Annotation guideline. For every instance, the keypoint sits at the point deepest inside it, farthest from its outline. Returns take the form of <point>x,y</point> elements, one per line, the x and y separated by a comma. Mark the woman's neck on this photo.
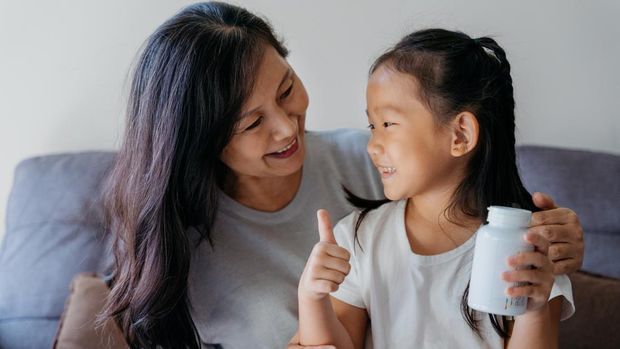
<point>432,229</point>
<point>264,194</point>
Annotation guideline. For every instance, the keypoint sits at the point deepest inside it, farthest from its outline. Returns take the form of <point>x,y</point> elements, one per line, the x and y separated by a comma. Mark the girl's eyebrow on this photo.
<point>287,75</point>
<point>387,108</point>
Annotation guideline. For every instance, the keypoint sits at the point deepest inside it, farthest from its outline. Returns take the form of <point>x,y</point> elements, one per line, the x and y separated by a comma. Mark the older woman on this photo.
<point>215,187</point>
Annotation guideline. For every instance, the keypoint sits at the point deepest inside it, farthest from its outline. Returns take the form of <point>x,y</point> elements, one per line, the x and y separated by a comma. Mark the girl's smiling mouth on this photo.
<point>386,171</point>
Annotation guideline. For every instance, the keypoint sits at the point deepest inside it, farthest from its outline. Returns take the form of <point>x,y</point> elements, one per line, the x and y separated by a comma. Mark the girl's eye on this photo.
<point>371,126</point>
<point>388,124</point>
<point>287,92</point>
<point>254,124</point>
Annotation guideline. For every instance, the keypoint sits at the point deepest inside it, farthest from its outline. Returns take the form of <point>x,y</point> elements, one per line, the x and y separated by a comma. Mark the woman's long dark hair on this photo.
<point>457,73</point>
<point>189,84</point>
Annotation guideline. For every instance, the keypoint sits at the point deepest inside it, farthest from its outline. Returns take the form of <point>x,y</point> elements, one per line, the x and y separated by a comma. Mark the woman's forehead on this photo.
<point>273,72</point>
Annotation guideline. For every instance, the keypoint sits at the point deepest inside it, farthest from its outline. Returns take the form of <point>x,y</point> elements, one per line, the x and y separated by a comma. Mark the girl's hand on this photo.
<point>562,228</point>
<point>327,265</point>
<point>534,270</point>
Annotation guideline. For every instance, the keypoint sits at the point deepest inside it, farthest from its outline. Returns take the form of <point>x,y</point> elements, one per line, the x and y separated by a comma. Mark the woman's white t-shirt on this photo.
<point>414,300</point>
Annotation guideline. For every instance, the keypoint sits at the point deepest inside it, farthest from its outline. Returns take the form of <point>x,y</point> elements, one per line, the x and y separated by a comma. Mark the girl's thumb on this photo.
<point>326,232</point>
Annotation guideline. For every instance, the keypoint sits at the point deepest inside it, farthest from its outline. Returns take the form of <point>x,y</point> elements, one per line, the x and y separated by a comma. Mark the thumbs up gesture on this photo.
<point>327,265</point>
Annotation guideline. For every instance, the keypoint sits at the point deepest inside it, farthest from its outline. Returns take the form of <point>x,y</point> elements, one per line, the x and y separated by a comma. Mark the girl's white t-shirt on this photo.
<point>414,300</point>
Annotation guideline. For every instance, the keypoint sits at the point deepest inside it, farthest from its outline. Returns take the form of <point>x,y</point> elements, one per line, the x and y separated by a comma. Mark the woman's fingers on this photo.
<point>554,216</point>
<point>543,201</point>
<point>561,251</point>
<point>566,266</point>
<point>555,232</point>
<point>566,245</point>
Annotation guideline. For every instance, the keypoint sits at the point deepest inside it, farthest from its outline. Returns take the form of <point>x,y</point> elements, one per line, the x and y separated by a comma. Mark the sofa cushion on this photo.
<point>595,322</point>
<point>54,231</point>
<point>586,182</point>
<point>78,327</point>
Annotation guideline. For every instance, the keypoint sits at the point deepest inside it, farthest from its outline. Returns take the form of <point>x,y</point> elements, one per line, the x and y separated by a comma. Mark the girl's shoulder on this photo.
<point>362,229</point>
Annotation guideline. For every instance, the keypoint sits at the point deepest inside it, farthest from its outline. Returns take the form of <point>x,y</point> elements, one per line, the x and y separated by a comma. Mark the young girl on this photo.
<point>441,114</point>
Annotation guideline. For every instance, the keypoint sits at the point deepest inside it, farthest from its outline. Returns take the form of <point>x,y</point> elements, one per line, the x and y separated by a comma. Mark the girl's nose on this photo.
<point>374,147</point>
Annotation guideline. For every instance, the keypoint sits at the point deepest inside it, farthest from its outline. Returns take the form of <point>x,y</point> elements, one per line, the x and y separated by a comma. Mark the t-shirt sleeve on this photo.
<point>350,290</point>
<point>562,287</point>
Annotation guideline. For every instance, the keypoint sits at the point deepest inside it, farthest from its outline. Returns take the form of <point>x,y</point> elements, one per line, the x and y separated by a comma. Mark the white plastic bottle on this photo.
<point>495,242</point>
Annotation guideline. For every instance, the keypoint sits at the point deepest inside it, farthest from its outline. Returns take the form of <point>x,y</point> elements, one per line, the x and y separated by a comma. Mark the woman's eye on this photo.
<point>371,126</point>
<point>388,124</point>
<point>254,124</point>
<point>287,92</point>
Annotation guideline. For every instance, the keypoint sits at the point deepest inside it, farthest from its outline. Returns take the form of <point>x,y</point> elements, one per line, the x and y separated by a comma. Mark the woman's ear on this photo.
<point>465,132</point>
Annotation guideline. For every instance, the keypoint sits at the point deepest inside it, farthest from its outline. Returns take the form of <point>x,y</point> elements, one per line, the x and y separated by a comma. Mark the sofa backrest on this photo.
<point>54,227</point>
<point>587,182</point>
<point>54,231</point>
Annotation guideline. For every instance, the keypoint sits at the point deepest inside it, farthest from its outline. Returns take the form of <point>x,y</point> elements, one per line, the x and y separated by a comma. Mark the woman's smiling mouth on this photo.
<point>287,151</point>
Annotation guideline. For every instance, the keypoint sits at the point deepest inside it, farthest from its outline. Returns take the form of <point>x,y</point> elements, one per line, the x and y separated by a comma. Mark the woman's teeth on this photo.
<point>287,147</point>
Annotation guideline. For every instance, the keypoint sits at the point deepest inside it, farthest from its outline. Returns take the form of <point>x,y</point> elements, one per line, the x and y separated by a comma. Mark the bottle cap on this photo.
<point>509,216</point>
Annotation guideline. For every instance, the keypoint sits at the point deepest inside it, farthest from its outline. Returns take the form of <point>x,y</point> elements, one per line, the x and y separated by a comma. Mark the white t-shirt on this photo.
<point>413,299</point>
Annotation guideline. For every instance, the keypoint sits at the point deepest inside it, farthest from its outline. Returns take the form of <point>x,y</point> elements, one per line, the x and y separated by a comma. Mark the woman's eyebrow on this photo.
<point>287,75</point>
<point>248,113</point>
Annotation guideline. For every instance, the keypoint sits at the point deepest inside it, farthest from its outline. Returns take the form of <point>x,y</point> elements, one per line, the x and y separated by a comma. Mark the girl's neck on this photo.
<point>264,194</point>
<point>431,229</point>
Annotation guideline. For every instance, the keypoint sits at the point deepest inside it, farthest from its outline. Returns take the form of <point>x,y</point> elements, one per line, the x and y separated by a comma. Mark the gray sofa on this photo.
<point>54,230</point>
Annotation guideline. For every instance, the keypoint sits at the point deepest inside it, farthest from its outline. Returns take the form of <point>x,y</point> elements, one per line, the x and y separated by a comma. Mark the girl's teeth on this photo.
<point>388,169</point>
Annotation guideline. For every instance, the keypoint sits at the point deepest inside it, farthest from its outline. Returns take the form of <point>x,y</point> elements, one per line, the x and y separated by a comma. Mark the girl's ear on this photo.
<point>465,131</point>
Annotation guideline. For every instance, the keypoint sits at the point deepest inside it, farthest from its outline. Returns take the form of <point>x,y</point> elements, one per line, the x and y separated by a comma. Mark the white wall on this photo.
<point>63,65</point>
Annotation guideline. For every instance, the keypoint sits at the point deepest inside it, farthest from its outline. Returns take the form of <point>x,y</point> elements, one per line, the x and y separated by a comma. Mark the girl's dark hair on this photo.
<point>456,73</point>
<point>189,84</point>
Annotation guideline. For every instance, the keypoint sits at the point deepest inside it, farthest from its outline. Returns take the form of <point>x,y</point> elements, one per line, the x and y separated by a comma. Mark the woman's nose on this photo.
<point>284,125</point>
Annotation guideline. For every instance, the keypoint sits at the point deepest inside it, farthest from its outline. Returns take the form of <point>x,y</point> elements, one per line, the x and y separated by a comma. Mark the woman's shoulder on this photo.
<point>343,154</point>
<point>340,141</point>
